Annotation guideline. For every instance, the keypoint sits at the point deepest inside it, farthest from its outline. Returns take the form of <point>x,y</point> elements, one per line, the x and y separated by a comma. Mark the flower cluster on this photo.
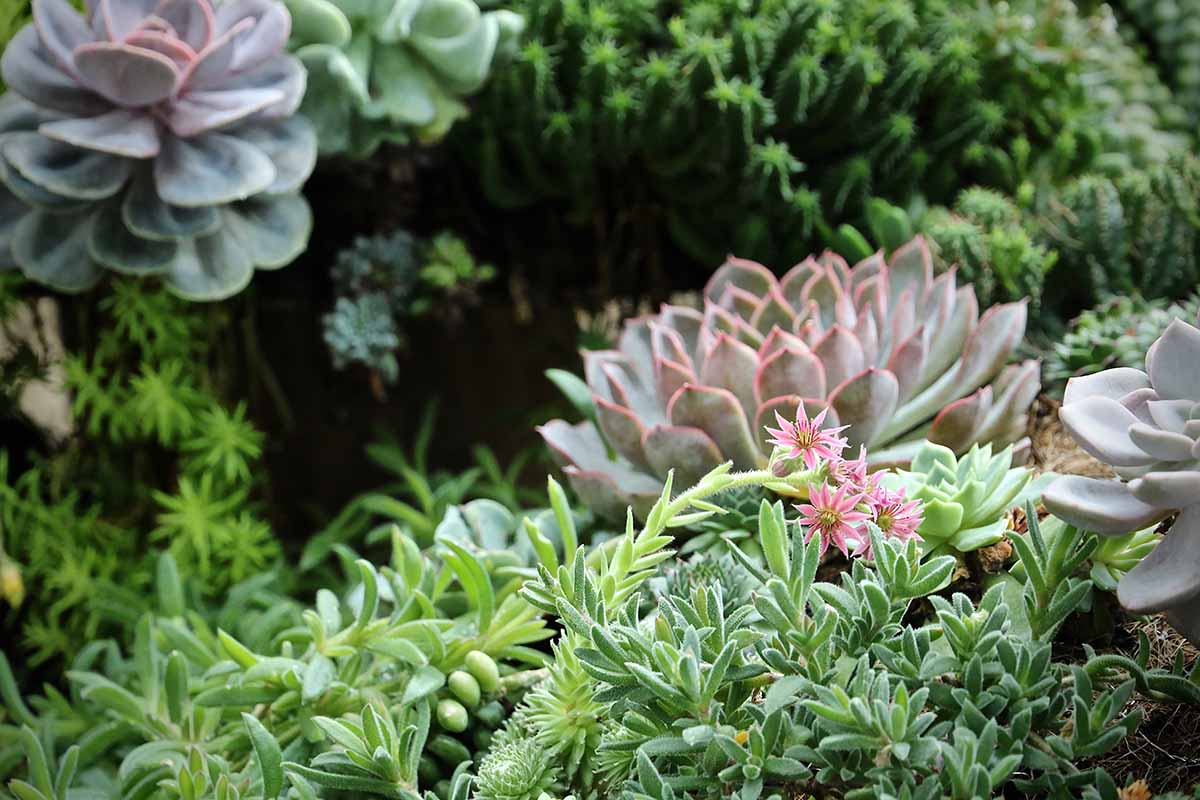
<point>848,497</point>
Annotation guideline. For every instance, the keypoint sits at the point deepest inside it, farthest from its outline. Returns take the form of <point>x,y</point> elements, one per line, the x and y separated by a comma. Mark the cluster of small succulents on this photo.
<point>267,693</point>
<point>380,281</point>
<point>394,71</point>
<point>1146,425</point>
<point>153,139</point>
<point>896,353</point>
<point>1116,333</point>
<point>820,686</point>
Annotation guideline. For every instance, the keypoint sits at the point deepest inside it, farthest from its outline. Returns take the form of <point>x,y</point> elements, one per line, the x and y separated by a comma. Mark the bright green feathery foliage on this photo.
<point>159,463</point>
<point>760,128</point>
<point>394,71</point>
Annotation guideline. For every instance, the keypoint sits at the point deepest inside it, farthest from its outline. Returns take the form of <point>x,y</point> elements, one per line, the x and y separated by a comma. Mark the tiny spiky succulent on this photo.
<point>1146,425</point>
<point>153,138</point>
<point>966,499</point>
<point>564,716</point>
<point>390,71</point>
<point>897,354</point>
<point>705,569</point>
<point>515,770</point>
<point>984,236</point>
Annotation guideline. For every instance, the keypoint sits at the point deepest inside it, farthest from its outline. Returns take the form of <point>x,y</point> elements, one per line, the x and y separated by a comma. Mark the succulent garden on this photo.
<point>599,399</point>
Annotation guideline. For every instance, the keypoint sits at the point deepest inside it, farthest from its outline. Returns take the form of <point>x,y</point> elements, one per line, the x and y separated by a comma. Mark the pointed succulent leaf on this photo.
<point>865,402</point>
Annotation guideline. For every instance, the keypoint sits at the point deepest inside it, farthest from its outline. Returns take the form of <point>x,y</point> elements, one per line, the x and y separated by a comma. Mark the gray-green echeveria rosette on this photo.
<point>153,137</point>
<point>899,354</point>
<point>390,70</point>
<point>1146,425</point>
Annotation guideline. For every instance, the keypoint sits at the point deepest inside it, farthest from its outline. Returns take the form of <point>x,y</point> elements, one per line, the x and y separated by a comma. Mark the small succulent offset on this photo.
<point>394,70</point>
<point>153,138</point>
<point>897,354</point>
<point>966,499</point>
<point>1146,425</point>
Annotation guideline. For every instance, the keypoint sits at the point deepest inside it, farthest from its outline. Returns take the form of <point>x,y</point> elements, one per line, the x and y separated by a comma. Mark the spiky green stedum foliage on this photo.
<point>986,236</point>
<point>383,281</point>
<point>1134,233</point>
<point>159,463</point>
<point>563,716</point>
<point>834,688</point>
<point>1116,333</point>
<point>379,690</point>
<point>759,128</point>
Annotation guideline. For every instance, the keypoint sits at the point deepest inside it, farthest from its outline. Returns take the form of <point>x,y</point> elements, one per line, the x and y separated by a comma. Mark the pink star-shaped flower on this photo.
<point>805,439</point>
<point>896,517</point>
<point>834,514</point>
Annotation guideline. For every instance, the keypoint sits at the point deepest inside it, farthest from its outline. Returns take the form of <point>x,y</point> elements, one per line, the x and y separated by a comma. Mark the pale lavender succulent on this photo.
<point>898,354</point>
<point>153,137</point>
<point>1146,425</point>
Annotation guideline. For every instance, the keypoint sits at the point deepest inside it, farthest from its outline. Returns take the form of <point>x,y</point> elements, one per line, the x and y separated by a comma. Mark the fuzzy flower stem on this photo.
<point>797,481</point>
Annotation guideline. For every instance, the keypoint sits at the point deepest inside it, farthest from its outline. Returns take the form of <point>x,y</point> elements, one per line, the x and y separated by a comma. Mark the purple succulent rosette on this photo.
<point>153,137</point>
<point>1146,425</point>
<point>899,355</point>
